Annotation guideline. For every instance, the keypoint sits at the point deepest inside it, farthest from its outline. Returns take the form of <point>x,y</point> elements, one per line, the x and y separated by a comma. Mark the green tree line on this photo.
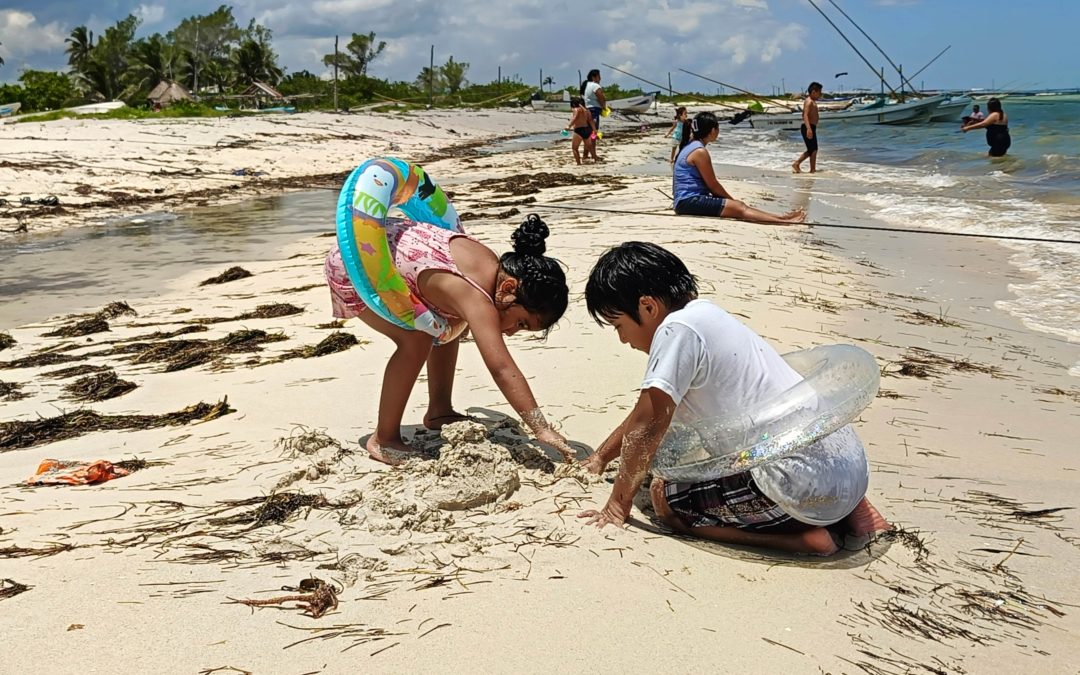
<point>212,56</point>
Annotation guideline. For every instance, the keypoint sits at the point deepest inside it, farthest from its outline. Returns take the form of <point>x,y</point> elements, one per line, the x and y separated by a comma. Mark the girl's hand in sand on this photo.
<point>612,514</point>
<point>595,464</point>
<point>553,438</point>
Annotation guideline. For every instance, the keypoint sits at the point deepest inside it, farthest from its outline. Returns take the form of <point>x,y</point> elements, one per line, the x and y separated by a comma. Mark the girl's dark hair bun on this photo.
<point>529,237</point>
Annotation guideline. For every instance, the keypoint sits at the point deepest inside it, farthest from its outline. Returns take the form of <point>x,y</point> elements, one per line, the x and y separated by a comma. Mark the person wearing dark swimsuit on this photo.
<point>997,128</point>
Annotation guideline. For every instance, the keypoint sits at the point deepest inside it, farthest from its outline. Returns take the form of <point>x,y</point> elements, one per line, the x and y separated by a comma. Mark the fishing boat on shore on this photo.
<point>96,108</point>
<point>633,105</point>
<point>917,111</point>
<point>951,109</point>
<point>9,109</point>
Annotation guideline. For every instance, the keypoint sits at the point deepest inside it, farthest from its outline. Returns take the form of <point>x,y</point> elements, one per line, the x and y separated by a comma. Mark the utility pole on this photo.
<point>335,72</point>
<point>431,76</point>
<point>783,87</point>
<point>670,95</point>
<point>541,80</point>
<point>196,64</point>
<point>500,75</point>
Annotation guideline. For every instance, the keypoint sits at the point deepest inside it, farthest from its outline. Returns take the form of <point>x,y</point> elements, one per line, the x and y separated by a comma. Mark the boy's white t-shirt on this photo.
<point>711,365</point>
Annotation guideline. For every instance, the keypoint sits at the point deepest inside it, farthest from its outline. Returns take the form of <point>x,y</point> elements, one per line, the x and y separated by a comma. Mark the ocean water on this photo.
<point>934,176</point>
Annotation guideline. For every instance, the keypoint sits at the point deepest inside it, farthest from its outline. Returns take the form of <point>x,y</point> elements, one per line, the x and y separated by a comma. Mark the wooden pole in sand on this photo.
<point>431,76</point>
<point>335,72</point>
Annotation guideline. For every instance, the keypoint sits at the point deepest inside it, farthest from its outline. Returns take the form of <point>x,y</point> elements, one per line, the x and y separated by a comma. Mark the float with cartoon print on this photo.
<point>370,191</point>
<point>839,381</point>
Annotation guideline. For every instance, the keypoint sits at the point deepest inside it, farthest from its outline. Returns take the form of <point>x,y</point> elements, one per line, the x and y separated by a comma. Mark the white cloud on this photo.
<point>622,49</point>
<point>150,14</point>
<point>21,35</point>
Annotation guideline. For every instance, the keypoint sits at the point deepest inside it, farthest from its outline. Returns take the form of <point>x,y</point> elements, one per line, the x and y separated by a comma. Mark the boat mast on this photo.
<point>696,98</point>
<point>897,68</point>
<point>868,64</point>
<point>743,91</point>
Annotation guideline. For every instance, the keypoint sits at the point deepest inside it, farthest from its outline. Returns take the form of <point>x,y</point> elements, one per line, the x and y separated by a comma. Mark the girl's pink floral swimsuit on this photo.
<point>415,247</point>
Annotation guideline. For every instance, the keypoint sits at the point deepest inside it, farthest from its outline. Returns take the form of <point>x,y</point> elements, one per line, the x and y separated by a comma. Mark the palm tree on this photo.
<point>256,61</point>
<point>151,62</point>
<point>453,73</point>
<point>79,46</point>
<point>548,81</point>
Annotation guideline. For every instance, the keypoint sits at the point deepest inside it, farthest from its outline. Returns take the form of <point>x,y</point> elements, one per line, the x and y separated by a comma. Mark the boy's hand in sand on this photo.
<point>612,514</point>
<point>555,439</point>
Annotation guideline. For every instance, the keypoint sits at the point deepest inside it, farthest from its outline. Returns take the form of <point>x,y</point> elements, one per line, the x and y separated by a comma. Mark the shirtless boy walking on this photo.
<point>809,128</point>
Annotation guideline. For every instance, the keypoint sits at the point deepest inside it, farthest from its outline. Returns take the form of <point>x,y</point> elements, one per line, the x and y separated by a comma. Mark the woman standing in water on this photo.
<point>997,128</point>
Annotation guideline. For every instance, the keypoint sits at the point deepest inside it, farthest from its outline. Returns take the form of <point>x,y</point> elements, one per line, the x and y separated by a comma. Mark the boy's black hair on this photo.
<point>632,270</point>
<point>577,102</point>
<point>541,280</point>
<point>814,86</point>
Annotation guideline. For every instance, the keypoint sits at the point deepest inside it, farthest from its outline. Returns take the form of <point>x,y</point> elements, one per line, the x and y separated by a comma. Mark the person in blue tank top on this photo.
<point>694,184</point>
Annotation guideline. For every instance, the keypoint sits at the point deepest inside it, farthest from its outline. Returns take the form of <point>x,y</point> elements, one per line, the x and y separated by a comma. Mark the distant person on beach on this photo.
<point>704,363</point>
<point>675,132</point>
<point>809,128</point>
<point>997,128</point>
<point>582,126</point>
<point>694,184</point>
<point>595,102</point>
<point>471,287</point>
<point>976,114</point>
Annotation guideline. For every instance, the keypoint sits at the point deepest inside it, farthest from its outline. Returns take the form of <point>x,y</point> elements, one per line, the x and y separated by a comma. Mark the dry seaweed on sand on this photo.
<point>38,360</point>
<point>9,588</point>
<point>304,441</point>
<point>98,387</point>
<point>331,344</point>
<point>74,371</point>
<point>332,325</point>
<point>12,391</point>
<point>298,289</point>
<point>115,309</point>
<point>920,317</point>
<point>43,552</point>
<point>28,433</point>
<point>272,311</point>
<point>531,183</point>
<point>275,509</point>
<point>80,328</point>
<point>137,464</point>
<point>1074,394</point>
<point>184,354</point>
<point>231,274</point>
<point>6,341</point>
<point>923,363</point>
<point>316,597</point>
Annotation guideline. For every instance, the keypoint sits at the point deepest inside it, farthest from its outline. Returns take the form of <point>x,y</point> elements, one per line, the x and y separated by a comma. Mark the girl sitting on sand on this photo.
<point>697,192</point>
<point>466,283</point>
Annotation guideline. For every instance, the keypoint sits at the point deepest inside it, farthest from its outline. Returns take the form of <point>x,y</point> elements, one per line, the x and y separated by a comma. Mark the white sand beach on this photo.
<point>970,438</point>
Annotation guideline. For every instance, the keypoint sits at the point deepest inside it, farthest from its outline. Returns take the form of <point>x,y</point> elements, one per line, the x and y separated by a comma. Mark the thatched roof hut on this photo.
<point>166,93</point>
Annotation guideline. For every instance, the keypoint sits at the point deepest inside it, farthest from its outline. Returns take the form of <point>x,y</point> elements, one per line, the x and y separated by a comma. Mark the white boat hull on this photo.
<point>96,108</point>
<point>951,110</point>
<point>912,112</point>
<point>9,109</point>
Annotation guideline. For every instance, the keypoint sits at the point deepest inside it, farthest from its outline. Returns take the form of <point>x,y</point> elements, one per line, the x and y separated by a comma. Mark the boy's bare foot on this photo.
<point>794,216</point>
<point>819,541</point>
<point>865,520</point>
<point>392,452</point>
<point>795,168</point>
<point>437,422</point>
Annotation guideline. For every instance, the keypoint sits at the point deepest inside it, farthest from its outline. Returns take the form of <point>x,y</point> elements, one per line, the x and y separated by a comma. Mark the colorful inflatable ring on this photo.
<point>839,381</point>
<point>369,193</point>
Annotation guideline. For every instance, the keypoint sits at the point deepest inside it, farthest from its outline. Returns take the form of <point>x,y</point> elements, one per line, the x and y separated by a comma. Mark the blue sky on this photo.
<point>756,44</point>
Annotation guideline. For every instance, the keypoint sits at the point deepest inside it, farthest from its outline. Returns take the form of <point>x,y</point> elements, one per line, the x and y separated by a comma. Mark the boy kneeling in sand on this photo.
<point>704,363</point>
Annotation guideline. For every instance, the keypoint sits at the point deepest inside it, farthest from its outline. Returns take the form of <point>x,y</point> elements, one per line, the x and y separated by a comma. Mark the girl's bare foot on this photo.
<point>391,452</point>
<point>865,520</point>
<point>436,422</point>
<point>794,216</point>
<point>796,168</point>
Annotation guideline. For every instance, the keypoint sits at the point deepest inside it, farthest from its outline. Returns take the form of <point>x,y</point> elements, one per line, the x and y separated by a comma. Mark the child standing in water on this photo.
<point>675,132</point>
<point>808,129</point>
<point>469,286</point>
<point>704,363</point>
<point>582,126</point>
